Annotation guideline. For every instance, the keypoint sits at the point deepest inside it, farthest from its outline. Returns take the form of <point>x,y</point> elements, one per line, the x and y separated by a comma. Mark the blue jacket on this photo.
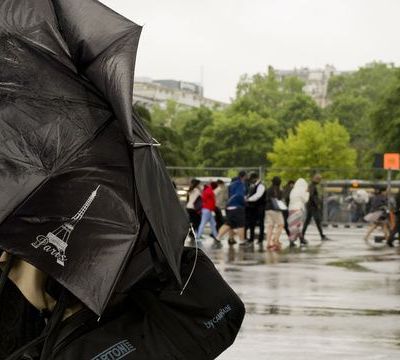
<point>237,192</point>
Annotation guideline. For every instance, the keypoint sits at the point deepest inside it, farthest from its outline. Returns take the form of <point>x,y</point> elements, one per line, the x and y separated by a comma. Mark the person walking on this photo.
<point>313,209</point>
<point>396,229</point>
<point>193,205</point>
<point>299,197</point>
<point>274,206</point>
<point>378,214</point>
<point>235,211</point>
<point>256,201</point>
<point>207,211</point>
<point>221,198</point>
<point>286,198</point>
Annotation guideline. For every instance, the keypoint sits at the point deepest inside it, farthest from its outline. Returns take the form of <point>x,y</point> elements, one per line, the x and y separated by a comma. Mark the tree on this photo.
<point>269,97</point>
<point>258,94</point>
<point>172,146</point>
<point>296,109</point>
<point>352,112</point>
<point>188,123</point>
<point>352,99</point>
<point>196,120</point>
<point>370,82</point>
<point>238,140</point>
<point>386,118</point>
<point>313,145</point>
<point>165,115</point>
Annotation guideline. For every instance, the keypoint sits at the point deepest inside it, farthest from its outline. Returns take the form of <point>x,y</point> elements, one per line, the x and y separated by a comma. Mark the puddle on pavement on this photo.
<point>349,265</point>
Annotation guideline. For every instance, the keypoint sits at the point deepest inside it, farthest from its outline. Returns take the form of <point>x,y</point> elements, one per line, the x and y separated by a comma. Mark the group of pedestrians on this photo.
<point>248,204</point>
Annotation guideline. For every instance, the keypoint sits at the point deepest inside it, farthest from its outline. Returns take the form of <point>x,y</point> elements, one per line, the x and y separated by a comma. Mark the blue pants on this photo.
<point>207,217</point>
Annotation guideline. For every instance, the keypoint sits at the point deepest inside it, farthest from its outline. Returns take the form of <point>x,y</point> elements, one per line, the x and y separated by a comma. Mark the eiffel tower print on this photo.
<point>56,242</point>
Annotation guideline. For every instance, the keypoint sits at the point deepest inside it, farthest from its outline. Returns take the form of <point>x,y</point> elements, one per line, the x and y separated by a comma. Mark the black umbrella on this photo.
<point>79,175</point>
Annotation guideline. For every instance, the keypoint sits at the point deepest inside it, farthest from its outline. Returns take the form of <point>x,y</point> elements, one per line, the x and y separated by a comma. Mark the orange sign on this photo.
<point>391,161</point>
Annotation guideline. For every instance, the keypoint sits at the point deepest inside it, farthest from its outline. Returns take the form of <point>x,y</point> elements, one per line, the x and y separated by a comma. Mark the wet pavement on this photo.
<point>335,300</point>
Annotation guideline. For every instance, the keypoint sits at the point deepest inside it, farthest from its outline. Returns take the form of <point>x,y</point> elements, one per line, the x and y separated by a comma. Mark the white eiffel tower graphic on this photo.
<point>60,236</point>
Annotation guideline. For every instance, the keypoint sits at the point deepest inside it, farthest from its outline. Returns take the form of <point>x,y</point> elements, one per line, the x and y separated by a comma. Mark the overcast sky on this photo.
<point>227,38</point>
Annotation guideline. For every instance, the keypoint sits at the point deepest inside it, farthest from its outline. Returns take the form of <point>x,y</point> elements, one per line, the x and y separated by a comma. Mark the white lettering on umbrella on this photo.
<point>55,243</point>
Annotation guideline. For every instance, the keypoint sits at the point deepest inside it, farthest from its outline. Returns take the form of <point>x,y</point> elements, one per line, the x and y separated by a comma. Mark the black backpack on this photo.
<point>149,324</point>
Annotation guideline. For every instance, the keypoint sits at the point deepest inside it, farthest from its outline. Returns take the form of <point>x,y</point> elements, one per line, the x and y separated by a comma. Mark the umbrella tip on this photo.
<point>95,192</point>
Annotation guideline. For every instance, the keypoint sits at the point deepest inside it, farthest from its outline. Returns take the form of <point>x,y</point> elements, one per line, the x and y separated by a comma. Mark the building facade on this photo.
<point>316,81</point>
<point>149,92</point>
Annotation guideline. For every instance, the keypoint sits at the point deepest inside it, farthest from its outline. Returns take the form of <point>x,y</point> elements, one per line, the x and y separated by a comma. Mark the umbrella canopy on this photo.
<point>77,168</point>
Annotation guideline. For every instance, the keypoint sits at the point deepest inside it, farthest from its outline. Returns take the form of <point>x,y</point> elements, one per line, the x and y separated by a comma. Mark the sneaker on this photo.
<point>325,238</point>
<point>303,242</point>
<point>217,245</point>
<point>245,243</point>
<point>232,241</point>
<point>292,244</point>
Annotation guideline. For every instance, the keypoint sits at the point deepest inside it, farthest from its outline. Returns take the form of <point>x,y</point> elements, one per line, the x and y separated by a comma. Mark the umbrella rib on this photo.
<point>142,144</point>
<point>191,230</point>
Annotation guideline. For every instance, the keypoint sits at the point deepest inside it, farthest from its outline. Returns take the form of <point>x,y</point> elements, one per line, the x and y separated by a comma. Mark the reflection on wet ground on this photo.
<point>335,300</point>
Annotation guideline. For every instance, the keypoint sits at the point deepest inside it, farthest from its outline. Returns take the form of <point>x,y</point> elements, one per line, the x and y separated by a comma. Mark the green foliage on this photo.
<point>188,123</point>
<point>239,140</point>
<point>352,112</point>
<point>370,82</point>
<point>165,116</point>
<point>313,145</point>
<point>296,109</point>
<point>386,118</point>
<point>268,97</point>
<point>143,113</point>
<point>172,147</point>
<point>352,100</point>
<point>196,121</point>
<point>268,110</point>
<point>257,94</point>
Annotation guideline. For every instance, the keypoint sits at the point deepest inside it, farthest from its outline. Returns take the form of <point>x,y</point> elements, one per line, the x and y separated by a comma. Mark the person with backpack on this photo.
<point>193,205</point>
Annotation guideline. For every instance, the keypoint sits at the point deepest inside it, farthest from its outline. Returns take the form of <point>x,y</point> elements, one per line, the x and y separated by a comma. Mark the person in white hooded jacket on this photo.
<point>299,197</point>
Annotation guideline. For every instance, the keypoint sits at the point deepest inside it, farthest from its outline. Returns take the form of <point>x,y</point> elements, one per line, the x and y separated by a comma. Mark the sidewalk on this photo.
<point>334,300</point>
